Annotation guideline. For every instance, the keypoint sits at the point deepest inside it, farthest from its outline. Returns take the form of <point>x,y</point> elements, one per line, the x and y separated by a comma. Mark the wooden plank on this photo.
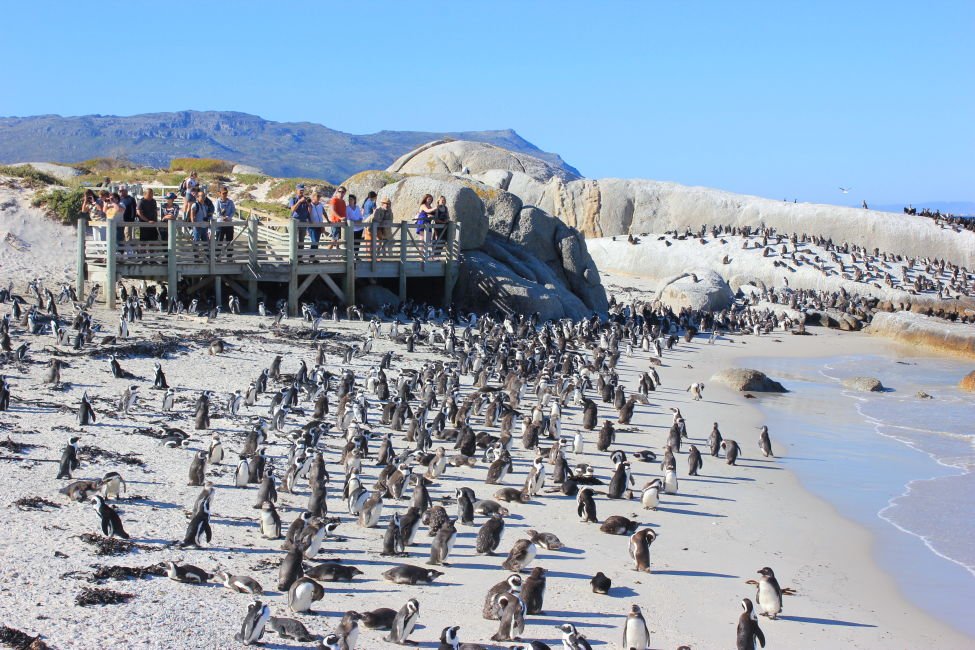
<point>349,264</point>
<point>403,234</point>
<point>172,272</point>
<point>204,281</point>
<point>80,267</point>
<point>334,287</point>
<point>236,286</point>
<point>218,289</point>
<point>110,263</point>
<point>293,268</point>
<point>305,284</point>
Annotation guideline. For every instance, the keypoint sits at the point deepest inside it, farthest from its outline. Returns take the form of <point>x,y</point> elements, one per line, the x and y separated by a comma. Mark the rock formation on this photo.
<point>742,379</point>
<point>863,384</point>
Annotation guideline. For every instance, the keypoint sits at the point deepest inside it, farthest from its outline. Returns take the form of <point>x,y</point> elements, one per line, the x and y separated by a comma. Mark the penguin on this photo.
<point>571,639</point>
<point>378,619</point>
<point>404,623</point>
<point>348,630</point>
<point>159,383</point>
<point>267,490</point>
<point>443,543</point>
<point>252,629</point>
<point>169,398</point>
<point>410,524</point>
<point>186,573</point>
<point>240,584</point>
<point>694,461</point>
<point>69,458</point>
<point>621,485</point>
<point>492,608</point>
<point>520,556</point>
<point>696,390</point>
<point>489,536</point>
<point>650,496</point>
<point>290,568</point>
<point>372,509</point>
<point>450,640</point>
<point>748,629</point>
<point>292,629</point>
<point>714,440</point>
<point>589,414</point>
<point>586,505</point>
<point>601,584</point>
<point>764,443</point>
<point>769,594</point>
<point>111,523</point>
<point>242,473</point>
<point>334,572</point>
<point>640,542</point>
<point>533,592</point>
<point>465,505</point>
<point>111,485</point>
<point>270,521</point>
<point>198,468</point>
<point>303,592</point>
<point>199,527</point>
<point>215,455</point>
<point>499,469</point>
<point>731,450</point>
<point>548,541</point>
<point>636,634</point>
<point>618,525</point>
<point>670,481</point>
<point>606,437</point>
<point>512,622</point>
<point>86,413</point>
<point>393,543</point>
<point>407,574</point>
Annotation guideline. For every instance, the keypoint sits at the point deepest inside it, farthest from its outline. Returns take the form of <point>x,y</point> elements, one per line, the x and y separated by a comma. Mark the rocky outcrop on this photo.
<point>927,331</point>
<point>464,204</point>
<point>466,157</point>
<point>246,169</point>
<point>864,384</point>
<point>967,382</point>
<point>698,289</point>
<point>746,379</point>
<point>370,181</point>
<point>374,297</point>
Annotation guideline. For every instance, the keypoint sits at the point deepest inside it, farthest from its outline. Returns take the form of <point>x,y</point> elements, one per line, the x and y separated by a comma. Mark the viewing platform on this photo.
<point>242,253</point>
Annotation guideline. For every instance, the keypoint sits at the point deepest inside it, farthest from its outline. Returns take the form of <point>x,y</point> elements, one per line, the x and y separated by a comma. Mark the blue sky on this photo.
<point>780,99</point>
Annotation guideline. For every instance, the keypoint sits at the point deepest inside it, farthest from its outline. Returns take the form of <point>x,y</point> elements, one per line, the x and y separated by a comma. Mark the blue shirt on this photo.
<point>301,213</point>
<point>226,209</point>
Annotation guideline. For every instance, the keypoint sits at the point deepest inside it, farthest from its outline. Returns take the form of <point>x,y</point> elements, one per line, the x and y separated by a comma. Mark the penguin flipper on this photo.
<point>760,635</point>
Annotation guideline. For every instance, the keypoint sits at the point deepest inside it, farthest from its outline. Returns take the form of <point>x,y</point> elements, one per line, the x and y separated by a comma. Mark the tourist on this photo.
<point>128,212</point>
<point>369,205</point>
<point>300,210</point>
<point>113,214</point>
<point>147,211</point>
<point>94,208</point>
<point>440,219</point>
<point>336,215</point>
<point>196,212</point>
<point>353,216</point>
<point>317,210</point>
<point>189,185</point>
<point>423,220</point>
<point>225,212</point>
<point>381,228</point>
<point>168,212</point>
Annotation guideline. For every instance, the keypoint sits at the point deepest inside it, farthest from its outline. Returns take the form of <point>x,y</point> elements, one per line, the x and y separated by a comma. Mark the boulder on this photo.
<point>60,172</point>
<point>746,379</point>
<point>466,157</point>
<point>370,181</point>
<point>968,382</point>
<point>374,296</point>
<point>699,289</point>
<point>246,169</point>
<point>864,384</point>
<point>464,204</point>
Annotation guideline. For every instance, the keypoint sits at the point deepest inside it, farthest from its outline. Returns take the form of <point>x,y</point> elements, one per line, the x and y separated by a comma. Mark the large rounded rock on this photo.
<point>464,204</point>
<point>746,379</point>
<point>60,172</point>
<point>370,181</point>
<point>968,382</point>
<point>864,384</point>
<point>700,289</point>
<point>374,296</point>
<point>466,157</point>
<point>246,169</point>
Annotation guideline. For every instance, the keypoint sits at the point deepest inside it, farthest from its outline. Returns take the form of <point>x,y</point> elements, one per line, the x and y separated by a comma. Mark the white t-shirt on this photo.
<point>353,213</point>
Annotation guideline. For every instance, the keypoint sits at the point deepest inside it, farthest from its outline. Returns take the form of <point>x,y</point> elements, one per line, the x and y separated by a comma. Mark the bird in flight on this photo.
<point>845,190</point>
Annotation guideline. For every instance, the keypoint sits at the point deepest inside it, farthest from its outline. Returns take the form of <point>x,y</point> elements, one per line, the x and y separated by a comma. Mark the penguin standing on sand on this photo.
<point>621,485</point>
<point>694,461</point>
<point>169,399</point>
<point>748,630</point>
<point>769,593</point>
<point>696,390</point>
<point>215,455</point>
<point>252,628</point>
<point>764,443</point>
<point>198,468</point>
<point>586,505</point>
<point>650,496</point>
<point>533,592</point>
<point>489,536</point>
<point>111,523</point>
<point>404,623</point>
<point>242,473</point>
<point>636,635</point>
<point>199,527</point>
<point>714,440</point>
<point>572,639</point>
<point>86,414</point>
<point>69,459</point>
<point>589,414</point>
<point>512,622</point>
<point>159,383</point>
<point>731,450</point>
<point>601,584</point>
<point>270,521</point>
<point>640,542</point>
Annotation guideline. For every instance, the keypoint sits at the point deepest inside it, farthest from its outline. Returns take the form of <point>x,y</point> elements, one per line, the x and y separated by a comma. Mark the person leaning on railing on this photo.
<point>381,228</point>
<point>226,211</point>
<point>317,218</point>
<point>424,218</point>
<point>93,207</point>
<point>147,211</point>
<point>300,210</point>
<point>440,219</point>
<point>168,212</point>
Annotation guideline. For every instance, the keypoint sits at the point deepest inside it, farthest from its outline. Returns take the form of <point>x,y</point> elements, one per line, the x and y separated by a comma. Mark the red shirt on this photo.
<point>336,207</point>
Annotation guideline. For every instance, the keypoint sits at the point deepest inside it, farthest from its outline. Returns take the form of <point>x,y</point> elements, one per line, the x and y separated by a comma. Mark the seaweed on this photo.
<point>116,572</point>
<point>101,596</point>
<point>34,503</point>
<point>21,640</point>
<point>15,447</point>
<point>111,545</point>
<point>91,453</point>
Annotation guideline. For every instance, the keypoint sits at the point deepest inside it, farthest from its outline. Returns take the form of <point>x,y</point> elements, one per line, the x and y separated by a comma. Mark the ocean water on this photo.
<point>902,466</point>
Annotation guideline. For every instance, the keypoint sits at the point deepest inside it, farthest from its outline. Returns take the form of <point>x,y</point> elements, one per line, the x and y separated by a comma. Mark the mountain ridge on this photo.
<point>277,148</point>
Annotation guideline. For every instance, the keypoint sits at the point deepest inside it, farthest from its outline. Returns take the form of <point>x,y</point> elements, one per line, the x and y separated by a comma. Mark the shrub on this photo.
<point>101,165</point>
<point>286,187</point>
<point>273,209</point>
<point>62,205</point>
<point>201,165</point>
<point>31,176</point>
<point>251,179</point>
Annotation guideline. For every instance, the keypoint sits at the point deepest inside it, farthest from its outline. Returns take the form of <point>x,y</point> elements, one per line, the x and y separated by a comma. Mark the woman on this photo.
<point>169,212</point>
<point>382,226</point>
<point>353,214</point>
<point>369,205</point>
<point>317,217</point>
<point>440,219</point>
<point>423,220</point>
<point>92,206</point>
<point>147,211</point>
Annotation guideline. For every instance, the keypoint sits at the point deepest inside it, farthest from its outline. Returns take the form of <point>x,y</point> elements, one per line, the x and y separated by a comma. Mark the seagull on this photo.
<point>845,190</point>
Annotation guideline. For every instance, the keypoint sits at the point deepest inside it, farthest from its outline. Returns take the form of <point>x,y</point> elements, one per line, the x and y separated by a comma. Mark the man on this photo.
<point>300,210</point>
<point>336,215</point>
<point>148,212</point>
<point>128,214</point>
<point>226,210</point>
<point>197,213</point>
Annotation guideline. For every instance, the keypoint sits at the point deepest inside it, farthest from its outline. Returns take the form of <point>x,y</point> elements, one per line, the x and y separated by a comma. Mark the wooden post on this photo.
<point>293,267</point>
<point>80,280</point>
<point>449,262</point>
<point>218,289</point>
<point>172,271</point>
<point>211,248</point>
<point>403,235</point>
<point>349,264</point>
<point>111,250</point>
<point>252,250</point>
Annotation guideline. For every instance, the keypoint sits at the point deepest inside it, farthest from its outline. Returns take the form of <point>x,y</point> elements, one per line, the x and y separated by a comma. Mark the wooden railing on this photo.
<point>261,248</point>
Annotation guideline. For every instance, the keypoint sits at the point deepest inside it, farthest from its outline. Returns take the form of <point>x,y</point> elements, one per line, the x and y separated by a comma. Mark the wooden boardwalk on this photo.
<point>262,250</point>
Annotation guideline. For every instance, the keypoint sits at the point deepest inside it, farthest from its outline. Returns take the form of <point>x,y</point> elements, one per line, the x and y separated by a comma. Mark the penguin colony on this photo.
<point>443,443</point>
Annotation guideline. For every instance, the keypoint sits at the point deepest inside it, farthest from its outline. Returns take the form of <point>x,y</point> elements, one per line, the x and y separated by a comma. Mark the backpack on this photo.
<point>182,188</point>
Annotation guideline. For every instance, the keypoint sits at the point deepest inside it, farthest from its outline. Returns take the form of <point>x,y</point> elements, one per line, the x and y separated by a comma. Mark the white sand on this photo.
<point>715,534</point>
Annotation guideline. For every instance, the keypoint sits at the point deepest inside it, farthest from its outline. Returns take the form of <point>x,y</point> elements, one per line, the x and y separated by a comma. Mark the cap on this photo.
<point>171,195</point>
<point>300,186</point>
